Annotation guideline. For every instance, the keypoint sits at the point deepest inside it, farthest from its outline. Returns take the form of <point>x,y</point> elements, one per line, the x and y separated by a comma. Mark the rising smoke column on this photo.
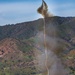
<point>44,11</point>
<point>49,63</point>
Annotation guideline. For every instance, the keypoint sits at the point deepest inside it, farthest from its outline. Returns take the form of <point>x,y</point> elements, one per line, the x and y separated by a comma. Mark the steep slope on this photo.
<point>18,42</point>
<point>29,29</point>
<point>16,57</point>
<point>21,30</point>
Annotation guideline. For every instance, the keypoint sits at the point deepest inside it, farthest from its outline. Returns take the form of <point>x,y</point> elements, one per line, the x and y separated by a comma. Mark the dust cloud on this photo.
<point>47,47</point>
<point>53,62</point>
<point>43,9</point>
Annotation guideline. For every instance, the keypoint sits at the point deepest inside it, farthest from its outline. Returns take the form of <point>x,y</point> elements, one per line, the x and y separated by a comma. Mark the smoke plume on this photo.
<point>43,9</point>
<point>48,47</point>
<point>54,63</point>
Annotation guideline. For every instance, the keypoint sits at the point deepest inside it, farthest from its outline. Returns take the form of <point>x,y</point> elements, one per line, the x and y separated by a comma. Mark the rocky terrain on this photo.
<point>17,45</point>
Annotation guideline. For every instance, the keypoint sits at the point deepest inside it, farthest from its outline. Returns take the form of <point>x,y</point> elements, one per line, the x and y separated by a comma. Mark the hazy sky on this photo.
<point>16,11</point>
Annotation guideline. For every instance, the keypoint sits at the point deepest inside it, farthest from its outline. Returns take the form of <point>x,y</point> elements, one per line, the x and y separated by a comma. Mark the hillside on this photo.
<point>19,42</point>
<point>21,30</point>
<point>16,57</point>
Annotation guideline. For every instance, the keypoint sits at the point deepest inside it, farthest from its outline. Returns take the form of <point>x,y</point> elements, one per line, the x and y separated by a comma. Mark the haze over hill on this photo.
<point>19,42</point>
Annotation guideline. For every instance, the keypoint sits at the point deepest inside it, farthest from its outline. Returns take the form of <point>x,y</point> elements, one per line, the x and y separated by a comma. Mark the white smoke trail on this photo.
<point>48,62</point>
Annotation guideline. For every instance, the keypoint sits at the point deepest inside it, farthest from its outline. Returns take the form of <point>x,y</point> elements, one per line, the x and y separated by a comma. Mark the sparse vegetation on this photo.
<point>17,43</point>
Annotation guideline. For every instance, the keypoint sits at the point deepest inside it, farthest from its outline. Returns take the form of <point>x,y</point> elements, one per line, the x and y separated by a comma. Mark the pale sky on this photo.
<point>17,11</point>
